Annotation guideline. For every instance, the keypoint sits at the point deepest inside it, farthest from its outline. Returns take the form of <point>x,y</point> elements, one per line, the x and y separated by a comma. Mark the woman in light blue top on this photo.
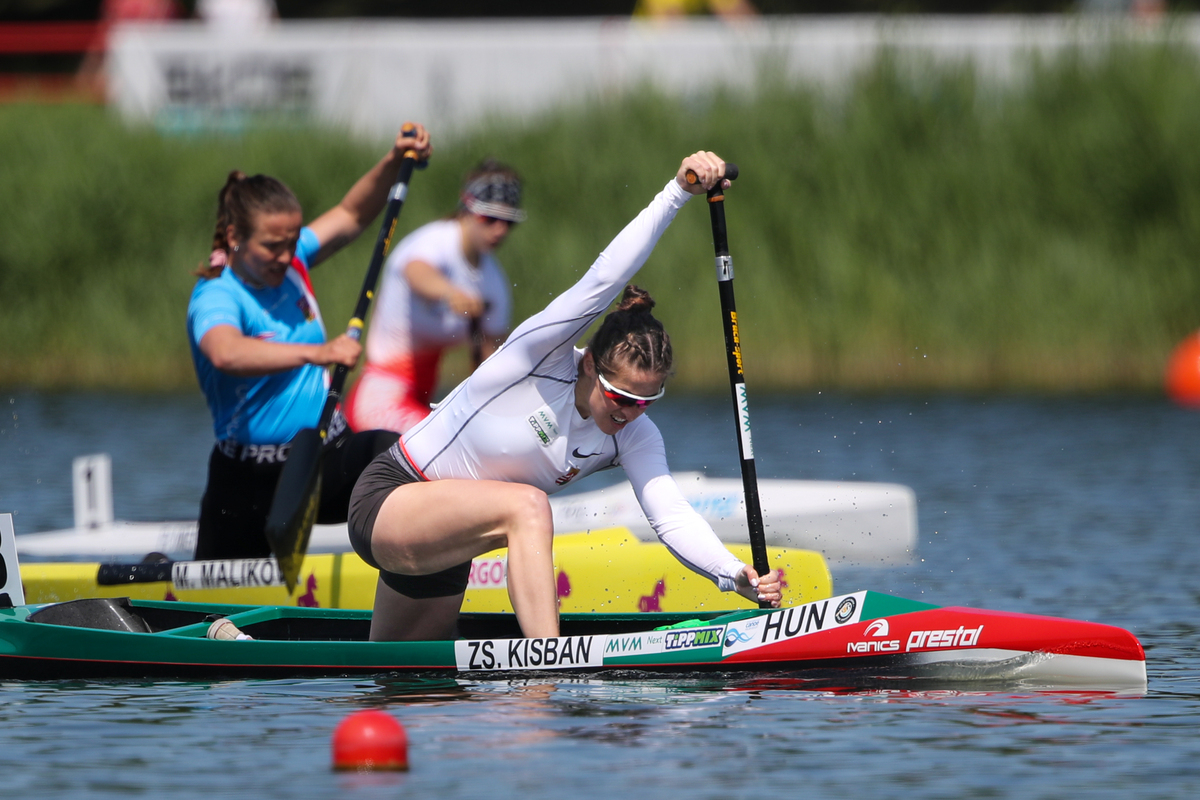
<point>259,348</point>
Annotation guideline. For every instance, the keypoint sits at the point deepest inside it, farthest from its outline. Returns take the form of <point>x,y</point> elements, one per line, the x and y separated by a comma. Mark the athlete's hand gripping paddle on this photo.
<point>298,493</point>
<point>477,336</point>
<point>733,348</point>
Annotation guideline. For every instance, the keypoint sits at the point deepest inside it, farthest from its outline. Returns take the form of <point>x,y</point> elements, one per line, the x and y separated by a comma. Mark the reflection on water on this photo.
<point>604,738</point>
<point>408,690</point>
<point>1083,509</point>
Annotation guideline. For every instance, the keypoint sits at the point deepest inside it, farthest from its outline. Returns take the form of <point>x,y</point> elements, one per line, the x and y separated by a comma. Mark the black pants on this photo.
<point>383,475</point>
<point>241,485</point>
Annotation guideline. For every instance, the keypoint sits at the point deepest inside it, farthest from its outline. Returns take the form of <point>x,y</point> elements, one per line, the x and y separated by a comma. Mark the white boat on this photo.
<point>849,522</point>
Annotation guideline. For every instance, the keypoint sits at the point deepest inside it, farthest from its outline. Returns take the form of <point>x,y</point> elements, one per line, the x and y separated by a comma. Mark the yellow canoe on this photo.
<point>607,570</point>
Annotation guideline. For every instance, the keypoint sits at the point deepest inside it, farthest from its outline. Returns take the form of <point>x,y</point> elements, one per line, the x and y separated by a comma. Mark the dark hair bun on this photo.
<point>235,176</point>
<point>631,336</point>
<point>636,300</point>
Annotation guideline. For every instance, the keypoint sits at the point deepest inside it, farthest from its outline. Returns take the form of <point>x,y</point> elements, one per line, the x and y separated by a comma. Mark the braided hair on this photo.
<point>631,336</point>
<point>239,202</point>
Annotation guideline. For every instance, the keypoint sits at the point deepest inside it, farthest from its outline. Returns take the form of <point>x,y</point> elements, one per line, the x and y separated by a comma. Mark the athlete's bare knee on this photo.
<point>530,510</point>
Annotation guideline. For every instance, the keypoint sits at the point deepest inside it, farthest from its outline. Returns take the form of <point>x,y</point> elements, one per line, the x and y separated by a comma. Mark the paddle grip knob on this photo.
<point>731,173</point>
<point>408,129</point>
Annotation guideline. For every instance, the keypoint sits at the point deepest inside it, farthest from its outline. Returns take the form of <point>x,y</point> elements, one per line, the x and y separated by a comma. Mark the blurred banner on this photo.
<point>369,76</point>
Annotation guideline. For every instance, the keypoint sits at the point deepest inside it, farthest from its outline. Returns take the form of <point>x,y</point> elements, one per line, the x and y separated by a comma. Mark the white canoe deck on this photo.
<point>849,522</point>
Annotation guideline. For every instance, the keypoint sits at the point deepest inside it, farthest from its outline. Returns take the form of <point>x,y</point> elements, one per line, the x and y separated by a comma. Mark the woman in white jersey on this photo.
<point>442,287</point>
<point>538,415</point>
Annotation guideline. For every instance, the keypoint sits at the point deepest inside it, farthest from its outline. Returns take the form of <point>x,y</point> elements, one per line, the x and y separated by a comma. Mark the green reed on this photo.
<point>920,227</point>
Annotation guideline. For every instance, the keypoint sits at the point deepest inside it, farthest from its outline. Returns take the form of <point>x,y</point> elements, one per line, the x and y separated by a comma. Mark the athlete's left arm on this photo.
<point>342,224</point>
<point>685,533</point>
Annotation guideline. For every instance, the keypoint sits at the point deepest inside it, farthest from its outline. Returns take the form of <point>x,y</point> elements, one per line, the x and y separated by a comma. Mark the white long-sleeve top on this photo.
<point>514,419</point>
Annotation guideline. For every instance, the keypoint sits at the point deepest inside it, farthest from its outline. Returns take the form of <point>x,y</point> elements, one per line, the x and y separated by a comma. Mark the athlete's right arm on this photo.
<point>568,316</point>
<point>342,224</point>
<point>234,353</point>
<point>428,283</point>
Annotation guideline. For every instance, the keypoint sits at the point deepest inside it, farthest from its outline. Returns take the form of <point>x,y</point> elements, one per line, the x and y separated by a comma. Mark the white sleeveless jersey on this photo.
<point>404,323</point>
<point>515,419</point>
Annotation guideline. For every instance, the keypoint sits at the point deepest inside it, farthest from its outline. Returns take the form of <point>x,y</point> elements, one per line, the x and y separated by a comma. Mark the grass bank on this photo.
<point>917,230</point>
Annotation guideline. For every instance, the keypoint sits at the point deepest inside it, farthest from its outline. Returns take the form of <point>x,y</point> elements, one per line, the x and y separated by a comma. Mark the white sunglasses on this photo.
<point>624,398</point>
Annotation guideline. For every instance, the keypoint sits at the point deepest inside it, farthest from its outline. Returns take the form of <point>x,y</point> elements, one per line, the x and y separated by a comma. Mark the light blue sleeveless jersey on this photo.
<point>269,409</point>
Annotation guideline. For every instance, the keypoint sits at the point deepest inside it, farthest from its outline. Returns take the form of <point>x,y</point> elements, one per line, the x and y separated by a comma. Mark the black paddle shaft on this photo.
<point>737,380</point>
<point>297,494</point>
<point>358,321</point>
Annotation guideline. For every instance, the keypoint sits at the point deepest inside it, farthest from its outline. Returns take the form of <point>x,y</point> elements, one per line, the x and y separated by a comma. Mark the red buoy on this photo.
<point>370,740</point>
<point>1183,372</point>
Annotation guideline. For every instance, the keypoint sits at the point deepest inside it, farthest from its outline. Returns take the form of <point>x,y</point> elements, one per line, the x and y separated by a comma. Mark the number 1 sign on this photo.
<point>11,591</point>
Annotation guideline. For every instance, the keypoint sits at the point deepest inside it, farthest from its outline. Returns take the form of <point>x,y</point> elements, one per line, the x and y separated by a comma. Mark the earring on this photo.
<point>235,247</point>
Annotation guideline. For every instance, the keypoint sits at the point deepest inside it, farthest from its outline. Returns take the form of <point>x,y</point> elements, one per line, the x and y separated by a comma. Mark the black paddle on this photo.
<point>733,348</point>
<point>476,343</point>
<point>477,336</point>
<point>220,573</point>
<point>298,493</point>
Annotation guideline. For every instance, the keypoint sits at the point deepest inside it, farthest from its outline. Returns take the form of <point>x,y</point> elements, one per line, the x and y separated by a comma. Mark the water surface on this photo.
<point>1080,508</point>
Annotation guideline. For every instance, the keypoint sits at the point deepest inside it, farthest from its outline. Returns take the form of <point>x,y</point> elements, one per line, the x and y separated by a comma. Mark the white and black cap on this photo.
<point>494,195</point>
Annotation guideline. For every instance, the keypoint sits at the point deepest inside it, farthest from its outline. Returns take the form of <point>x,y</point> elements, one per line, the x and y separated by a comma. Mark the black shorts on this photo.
<point>377,482</point>
<point>241,486</point>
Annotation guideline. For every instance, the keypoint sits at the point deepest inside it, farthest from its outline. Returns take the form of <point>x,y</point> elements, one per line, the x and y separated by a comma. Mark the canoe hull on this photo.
<point>859,638</point>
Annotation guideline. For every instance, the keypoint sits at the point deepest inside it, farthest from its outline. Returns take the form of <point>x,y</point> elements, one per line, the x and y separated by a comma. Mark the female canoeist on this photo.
<point>442,287</point>
<point>538,415</point>
<point>259,348</point>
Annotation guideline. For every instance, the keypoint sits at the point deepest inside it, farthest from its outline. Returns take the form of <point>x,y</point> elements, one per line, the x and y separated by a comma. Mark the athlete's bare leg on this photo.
<point>430,526</point>
<point>404,619</point>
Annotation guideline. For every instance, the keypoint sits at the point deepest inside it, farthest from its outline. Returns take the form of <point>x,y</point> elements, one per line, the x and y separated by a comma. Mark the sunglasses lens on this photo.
<point>626,402</point>
<point>622,399</point>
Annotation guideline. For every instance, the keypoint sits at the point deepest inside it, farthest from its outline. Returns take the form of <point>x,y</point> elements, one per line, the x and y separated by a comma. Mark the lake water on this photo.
<point>1087,509</point>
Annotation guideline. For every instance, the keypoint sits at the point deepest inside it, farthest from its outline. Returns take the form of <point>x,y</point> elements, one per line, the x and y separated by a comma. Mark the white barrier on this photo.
<point>12,593</point>
<point>369,76</point>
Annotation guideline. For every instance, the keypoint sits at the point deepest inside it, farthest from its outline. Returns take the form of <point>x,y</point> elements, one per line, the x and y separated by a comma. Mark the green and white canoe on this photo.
<point>862,636</point>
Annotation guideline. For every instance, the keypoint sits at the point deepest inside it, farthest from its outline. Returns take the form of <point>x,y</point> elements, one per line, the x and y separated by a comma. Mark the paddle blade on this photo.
<point>294,509</point>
